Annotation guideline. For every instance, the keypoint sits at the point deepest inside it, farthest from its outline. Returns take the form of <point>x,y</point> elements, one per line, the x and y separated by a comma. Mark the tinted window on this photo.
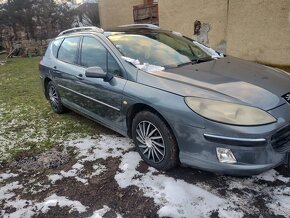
<point>158,48</point>
<point>55,45</point>
<point>95,54</point>
<point>68,50</point>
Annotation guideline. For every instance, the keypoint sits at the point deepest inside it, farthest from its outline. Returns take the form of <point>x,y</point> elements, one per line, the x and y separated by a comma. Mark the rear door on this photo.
<point>67,70</point>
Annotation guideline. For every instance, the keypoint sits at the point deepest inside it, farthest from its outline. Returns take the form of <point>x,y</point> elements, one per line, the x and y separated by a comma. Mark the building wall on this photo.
<point>257,30</point>
<point>181,15</point>
<point>116,12</point>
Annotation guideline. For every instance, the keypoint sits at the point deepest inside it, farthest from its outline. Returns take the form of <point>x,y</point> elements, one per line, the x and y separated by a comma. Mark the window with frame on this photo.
<point>94,54</point>
<point>68,50</point>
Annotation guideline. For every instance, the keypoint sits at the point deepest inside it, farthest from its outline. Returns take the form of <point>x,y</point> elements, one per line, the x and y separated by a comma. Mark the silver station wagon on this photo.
<point>180,101</point>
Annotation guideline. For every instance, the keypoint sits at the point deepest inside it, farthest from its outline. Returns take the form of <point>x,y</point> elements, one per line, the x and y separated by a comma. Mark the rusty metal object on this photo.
<point>147,13</point>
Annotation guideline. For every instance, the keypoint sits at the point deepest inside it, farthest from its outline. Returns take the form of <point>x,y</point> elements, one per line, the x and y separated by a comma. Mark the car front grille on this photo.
<point>281,140</point>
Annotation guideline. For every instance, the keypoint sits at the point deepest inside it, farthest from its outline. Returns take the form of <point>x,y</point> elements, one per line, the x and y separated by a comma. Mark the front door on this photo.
<point>100,99</point>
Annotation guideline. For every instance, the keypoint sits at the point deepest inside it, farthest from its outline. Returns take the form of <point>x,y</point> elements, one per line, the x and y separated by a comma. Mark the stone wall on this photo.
<point>25,47</point>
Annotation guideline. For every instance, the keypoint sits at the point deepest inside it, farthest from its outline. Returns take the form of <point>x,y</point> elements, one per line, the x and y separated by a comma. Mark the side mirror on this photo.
<point>97,72</point>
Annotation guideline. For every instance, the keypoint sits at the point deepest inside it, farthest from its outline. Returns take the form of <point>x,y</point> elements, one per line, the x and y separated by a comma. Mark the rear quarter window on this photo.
<point>55,46</point>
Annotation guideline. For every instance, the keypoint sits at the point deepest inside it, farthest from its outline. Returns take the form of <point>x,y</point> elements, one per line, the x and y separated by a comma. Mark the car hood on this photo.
<point>227,79</point>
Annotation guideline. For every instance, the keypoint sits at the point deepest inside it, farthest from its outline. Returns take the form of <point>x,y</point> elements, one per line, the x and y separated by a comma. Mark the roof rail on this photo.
<point>146,26</point>
<point>79,29</point>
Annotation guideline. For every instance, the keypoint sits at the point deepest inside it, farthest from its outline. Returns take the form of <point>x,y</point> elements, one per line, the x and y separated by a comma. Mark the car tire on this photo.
<point>54,98</point>
<point>154,141</point>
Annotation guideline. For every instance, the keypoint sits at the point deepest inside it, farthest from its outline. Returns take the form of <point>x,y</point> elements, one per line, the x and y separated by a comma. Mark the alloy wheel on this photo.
<point>53,97</point>
<point>150,141</point>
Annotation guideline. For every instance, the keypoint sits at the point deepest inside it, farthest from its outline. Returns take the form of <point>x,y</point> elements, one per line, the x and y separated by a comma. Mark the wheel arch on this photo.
<point>138,107</point>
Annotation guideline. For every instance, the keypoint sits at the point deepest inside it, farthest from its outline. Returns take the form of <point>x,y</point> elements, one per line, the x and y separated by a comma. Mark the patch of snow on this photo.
<point>98,169</point>
<point>5,176</point>
<point>145,66</point>
<point>6,191</point>
<point>131,60</point>
<point>91,150</point>
<point>73,173</point>
<point>61,201</point>
<point>78,166</point>
<point>54,177</point>
<point>119,215</point>
<point>102,148</point>
<point>271,176</point>
<point>176,198</point>
<point>150,67</point>
<point>29,209</point>
<point>101,212</point>
<point>280,202</point>
<point>208,50</point>
<point>23,208</point>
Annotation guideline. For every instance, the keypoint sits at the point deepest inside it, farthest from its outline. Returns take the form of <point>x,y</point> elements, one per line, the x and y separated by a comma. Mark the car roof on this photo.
<point>81,29</point>
<point>134,27</point>
<point>96,30</point>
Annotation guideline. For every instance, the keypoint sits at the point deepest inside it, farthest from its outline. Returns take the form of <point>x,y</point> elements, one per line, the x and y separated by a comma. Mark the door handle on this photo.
<point>80,77</point>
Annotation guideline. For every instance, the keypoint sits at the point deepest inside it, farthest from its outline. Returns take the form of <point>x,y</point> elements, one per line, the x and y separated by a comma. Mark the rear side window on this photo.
<point>55,46</point>
<point>69,49</point>
<point>95,54</point>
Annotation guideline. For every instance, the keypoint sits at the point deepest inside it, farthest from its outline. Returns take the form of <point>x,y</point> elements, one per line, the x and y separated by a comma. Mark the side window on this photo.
<point>95,54</point>
<point>68,50</point>
<point>55,45</point>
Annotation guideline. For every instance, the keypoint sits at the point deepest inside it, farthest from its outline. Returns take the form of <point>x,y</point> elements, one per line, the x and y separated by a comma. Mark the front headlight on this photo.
<point>229,113</point>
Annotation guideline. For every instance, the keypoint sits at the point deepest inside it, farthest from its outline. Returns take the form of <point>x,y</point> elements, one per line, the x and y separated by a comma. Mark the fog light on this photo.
<point>225,155</point>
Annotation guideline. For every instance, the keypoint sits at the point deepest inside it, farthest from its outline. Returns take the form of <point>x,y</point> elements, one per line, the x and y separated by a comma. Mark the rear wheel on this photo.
<point>154,141</point>
<point>54,98</point>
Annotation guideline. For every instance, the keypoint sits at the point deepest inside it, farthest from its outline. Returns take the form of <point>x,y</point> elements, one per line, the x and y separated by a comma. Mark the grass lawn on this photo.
<point>26,121</point>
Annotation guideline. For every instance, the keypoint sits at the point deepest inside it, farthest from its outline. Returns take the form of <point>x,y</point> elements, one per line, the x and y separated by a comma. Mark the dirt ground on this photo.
<point>104,177</point>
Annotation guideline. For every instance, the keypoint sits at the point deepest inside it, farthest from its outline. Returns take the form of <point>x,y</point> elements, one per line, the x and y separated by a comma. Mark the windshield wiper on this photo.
<point>193,61</point>
<point>199,60</point>
<point>183,64</point>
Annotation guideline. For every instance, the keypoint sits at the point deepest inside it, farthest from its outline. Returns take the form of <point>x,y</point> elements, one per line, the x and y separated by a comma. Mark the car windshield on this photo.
<point>158,48</point>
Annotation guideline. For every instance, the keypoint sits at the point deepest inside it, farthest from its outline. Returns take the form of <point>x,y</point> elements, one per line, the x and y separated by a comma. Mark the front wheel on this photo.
<point>154,141</point>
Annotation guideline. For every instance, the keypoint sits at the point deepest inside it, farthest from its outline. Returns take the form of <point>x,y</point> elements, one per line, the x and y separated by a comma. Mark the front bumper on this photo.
<point>255,148</point>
